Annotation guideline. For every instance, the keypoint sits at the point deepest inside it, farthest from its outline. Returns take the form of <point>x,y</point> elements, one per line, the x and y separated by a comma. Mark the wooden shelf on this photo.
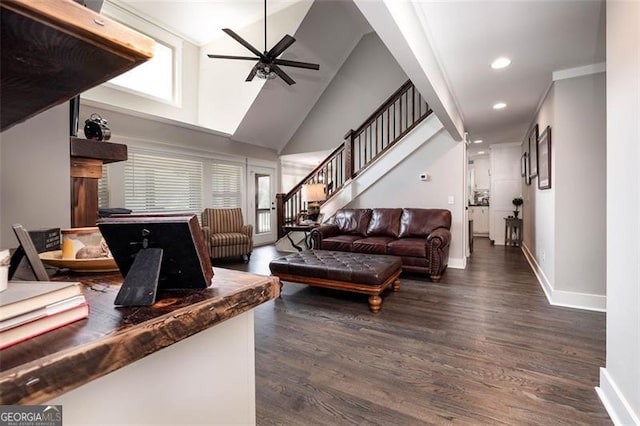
<point>107,152</point>
<point>55,49</point>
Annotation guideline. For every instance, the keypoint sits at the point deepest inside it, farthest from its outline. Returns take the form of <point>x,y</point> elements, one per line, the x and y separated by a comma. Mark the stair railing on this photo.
<point>389,123</point>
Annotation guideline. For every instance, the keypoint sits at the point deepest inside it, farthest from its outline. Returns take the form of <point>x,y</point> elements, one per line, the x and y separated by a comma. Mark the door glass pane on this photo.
<point>263,203</point>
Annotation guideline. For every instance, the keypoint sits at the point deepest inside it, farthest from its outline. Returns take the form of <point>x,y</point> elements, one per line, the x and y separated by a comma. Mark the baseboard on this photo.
<point>568,299</point>
<point>457,263</point>
<point>616,404</point>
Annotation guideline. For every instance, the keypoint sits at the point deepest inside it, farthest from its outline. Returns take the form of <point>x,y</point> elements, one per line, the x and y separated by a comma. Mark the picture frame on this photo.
<point>532,141</point>
<point>27,250</point>
<point>523,164</point>
<point>544,159</point>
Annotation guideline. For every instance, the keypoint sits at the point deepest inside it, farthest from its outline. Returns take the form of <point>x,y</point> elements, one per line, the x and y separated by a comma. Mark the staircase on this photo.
<point>388,124</point>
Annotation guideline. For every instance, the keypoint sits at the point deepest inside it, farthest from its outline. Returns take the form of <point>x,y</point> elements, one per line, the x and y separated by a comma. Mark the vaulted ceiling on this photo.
<point>539,37</point>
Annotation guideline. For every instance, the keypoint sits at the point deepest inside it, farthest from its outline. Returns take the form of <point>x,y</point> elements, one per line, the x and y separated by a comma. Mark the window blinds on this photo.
<point>103,188</point>
<point>156,183</point>
<point>226,185</point>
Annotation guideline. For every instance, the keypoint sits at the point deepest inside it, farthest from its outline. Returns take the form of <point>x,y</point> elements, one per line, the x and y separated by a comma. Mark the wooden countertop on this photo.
<point>46,366</point>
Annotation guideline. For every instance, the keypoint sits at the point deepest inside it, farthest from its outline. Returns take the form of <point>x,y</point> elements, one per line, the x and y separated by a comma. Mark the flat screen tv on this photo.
<point>156,252</point>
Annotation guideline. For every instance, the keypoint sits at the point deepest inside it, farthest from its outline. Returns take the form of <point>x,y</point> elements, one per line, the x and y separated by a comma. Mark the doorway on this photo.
<point>262,204</point>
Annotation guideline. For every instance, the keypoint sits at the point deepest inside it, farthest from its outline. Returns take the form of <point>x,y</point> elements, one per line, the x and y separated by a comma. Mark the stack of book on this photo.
<point>28,309</point>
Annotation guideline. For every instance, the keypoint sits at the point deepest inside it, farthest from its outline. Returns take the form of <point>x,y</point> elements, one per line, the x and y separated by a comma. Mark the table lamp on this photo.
<point>313,193</point>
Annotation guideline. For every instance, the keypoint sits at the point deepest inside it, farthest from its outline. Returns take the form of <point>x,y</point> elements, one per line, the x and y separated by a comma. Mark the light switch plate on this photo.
<point>451,199</point>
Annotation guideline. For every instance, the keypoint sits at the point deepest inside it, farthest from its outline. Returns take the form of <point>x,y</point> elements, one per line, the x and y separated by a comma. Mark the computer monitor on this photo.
<point>156,252</point>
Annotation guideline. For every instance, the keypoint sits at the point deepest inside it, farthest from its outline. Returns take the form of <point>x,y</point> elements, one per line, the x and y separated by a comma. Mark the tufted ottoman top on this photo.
<point>338,266</point>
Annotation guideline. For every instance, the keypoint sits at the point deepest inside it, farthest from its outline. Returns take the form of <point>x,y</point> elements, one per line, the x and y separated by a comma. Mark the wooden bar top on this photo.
<point>46,366</point>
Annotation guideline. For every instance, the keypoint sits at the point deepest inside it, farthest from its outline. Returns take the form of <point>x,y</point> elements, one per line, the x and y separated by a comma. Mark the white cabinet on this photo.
<point>480,216</point>
<point>482,175</point>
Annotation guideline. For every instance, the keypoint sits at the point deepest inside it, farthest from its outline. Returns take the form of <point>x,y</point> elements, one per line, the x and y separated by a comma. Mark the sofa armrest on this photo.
<point>323,231</point>
<point>440,237</point>
<point>247,230</point>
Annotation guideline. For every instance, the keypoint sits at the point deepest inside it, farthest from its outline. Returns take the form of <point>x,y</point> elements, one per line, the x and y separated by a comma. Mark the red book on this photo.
<point>42,325</point>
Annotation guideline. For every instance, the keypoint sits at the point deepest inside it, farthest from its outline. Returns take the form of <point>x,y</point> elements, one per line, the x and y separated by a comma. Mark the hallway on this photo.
<point>483,346</point>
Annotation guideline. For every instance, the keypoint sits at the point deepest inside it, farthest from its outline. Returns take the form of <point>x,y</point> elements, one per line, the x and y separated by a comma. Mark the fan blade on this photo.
<point>245,58</point>
<point>253,72</point>
<point>243,42</point>
<point>281,46</point>
<point>283,75</point>
<point>296,64</point>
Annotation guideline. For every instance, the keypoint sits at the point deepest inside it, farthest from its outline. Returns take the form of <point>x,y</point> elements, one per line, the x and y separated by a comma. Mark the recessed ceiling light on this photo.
<point>480,152</point>
<point>500,63</point>
<point>499,105</point>
<point>478,141</point>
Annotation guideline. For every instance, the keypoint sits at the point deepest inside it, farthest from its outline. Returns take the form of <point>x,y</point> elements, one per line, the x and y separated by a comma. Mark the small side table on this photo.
<point>299,228</point>
<point>512,231</point>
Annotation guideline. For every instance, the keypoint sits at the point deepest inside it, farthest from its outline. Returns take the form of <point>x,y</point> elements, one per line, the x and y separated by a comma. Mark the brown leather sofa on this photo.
<point>421,237</point>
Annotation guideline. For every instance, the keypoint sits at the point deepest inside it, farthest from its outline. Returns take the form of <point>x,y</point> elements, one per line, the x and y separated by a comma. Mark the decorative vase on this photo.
<point>515,213</point>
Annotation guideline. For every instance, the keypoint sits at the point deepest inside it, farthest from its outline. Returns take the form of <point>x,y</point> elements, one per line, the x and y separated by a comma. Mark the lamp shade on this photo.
<point>313,192</point>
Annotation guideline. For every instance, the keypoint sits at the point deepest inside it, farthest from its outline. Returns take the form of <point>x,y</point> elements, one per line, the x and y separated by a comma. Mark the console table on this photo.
<point>512,231</point>
<point>288,229</point>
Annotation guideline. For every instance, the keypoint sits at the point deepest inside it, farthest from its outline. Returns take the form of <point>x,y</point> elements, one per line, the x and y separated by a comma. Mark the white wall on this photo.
<point>564,225</point>
<point>539,207</point>
<point>442,159</point>
<point>35,181</point>
<point>365,80</point>
<point>620,380</point>
<point>580,146</point>
<point>127,127</point>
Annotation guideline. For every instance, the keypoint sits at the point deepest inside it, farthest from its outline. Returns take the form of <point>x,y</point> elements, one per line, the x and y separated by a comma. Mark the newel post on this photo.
<point>280,214</point>
<point>348,153</point>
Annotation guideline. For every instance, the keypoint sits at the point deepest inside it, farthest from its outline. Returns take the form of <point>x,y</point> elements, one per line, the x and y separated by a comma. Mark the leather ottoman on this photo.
<point>356,272</point>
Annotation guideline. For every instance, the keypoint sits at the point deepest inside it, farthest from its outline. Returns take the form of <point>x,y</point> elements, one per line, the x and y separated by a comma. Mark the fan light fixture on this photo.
<point>265,73</point>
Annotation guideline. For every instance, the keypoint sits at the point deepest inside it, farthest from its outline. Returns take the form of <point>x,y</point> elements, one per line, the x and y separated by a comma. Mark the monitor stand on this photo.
<point>141,283</point>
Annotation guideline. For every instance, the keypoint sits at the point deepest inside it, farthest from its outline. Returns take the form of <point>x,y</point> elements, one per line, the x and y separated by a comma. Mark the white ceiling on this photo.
<point>539,36</point>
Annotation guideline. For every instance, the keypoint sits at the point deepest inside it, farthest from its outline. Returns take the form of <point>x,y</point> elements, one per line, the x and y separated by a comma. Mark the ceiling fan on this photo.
<point>268,65</point>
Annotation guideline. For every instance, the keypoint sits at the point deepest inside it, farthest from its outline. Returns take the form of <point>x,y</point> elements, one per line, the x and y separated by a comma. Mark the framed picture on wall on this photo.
<point>532,141</point>
<point>523,165</point>
<point>544,159</point>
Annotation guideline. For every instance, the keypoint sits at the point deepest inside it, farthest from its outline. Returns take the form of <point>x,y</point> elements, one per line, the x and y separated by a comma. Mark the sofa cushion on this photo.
<point>421,222</point>
<point>384,223</point>
<point>415,247</point>
<point>339,242</point>
<point>352,221</point>
<point>373,245</point>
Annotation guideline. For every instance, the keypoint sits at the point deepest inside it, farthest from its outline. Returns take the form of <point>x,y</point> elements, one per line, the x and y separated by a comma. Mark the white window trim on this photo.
<point>121,14</point>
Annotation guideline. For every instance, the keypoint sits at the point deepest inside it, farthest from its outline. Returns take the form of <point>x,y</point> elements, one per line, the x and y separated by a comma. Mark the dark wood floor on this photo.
<point>483,346</point>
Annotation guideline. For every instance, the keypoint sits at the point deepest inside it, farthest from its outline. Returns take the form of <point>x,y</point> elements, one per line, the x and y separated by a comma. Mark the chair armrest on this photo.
<point>247,230</point>
<point>440,237</point>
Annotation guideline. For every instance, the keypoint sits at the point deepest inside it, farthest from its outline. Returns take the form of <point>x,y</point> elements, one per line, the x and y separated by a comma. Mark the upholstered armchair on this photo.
<point>225,233</point>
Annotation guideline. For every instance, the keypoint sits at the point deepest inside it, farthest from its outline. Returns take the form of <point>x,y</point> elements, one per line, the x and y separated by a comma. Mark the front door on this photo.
<point>262,204</point>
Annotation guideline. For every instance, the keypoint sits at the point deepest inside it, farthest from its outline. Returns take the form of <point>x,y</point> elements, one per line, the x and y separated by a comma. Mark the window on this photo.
<point>159,77</point>
<point>156,183</point>
<point>226,185</point>
<point>153,78</point>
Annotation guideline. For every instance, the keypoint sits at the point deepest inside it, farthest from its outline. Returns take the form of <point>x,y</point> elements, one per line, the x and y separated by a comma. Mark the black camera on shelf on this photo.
<point>97,128</point>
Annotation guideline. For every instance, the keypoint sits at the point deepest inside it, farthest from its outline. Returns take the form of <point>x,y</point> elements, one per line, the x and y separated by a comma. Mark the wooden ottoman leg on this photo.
<point>375,303</point>
<point>396,284</point>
